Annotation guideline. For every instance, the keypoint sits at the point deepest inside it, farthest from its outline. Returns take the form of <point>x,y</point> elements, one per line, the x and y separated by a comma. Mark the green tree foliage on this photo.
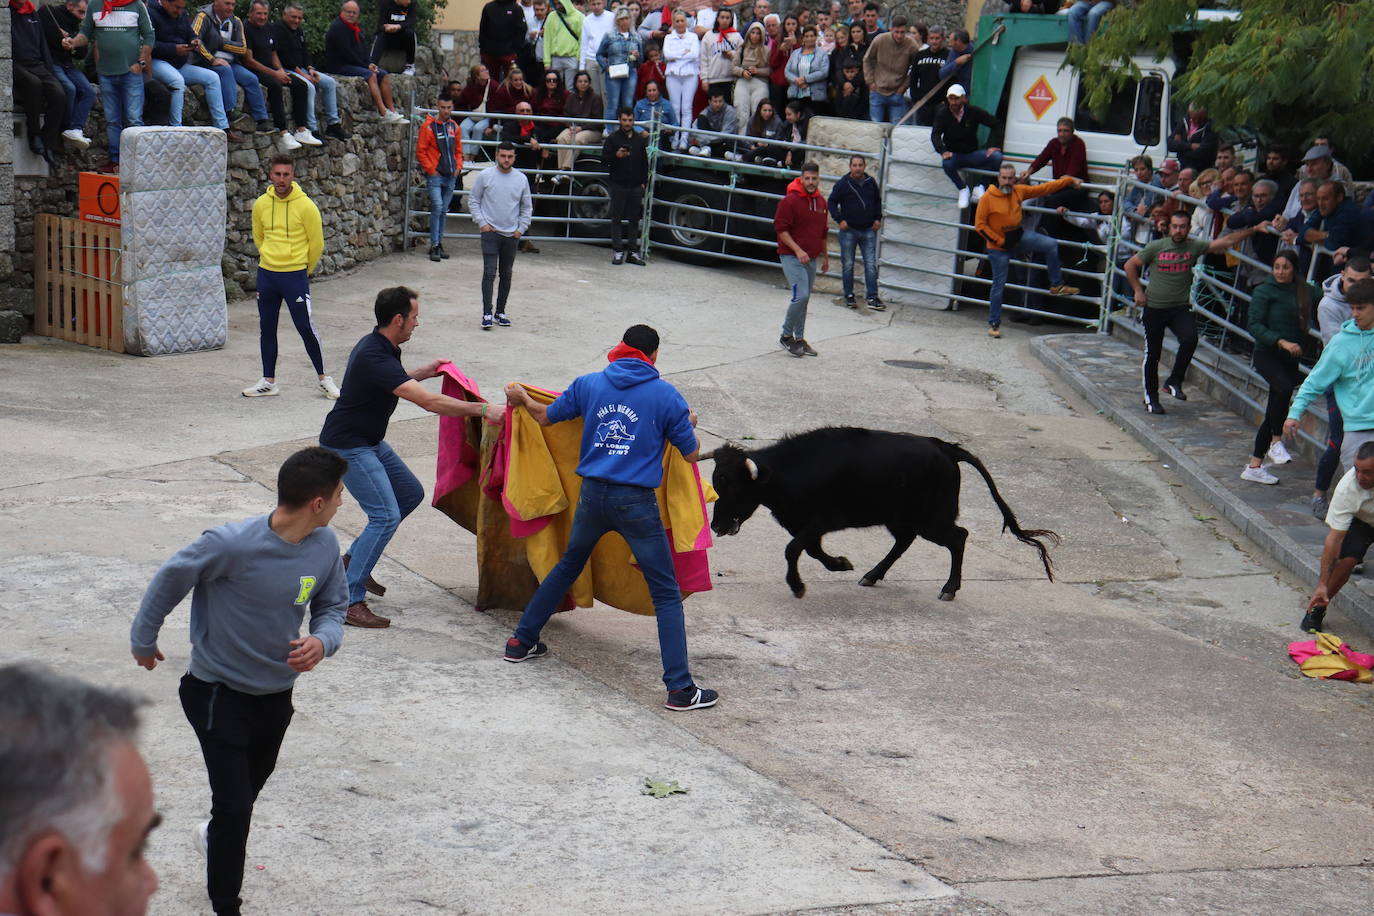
<point>1286,71</point>
<point>320,13</point>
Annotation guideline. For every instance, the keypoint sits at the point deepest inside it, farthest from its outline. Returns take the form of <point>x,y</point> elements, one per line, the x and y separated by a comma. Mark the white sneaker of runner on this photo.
<point>330,390</point>
<point>261,389</point>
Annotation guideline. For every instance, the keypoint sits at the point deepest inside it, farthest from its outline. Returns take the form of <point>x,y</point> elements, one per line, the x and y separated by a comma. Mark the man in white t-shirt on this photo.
<point>1351,520</point>
<point>596,24</point>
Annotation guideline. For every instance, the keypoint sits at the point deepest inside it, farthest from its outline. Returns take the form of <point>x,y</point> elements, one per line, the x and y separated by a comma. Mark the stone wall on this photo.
<point>358,185</point>
<point>11,323</point>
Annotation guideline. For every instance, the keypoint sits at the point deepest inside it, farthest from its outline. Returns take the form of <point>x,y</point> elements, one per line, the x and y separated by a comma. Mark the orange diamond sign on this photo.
<point>1040,97</point>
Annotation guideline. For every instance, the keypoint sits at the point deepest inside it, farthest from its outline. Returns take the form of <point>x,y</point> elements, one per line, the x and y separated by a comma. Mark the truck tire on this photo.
<point>686,229</point>
<point>593,203</point>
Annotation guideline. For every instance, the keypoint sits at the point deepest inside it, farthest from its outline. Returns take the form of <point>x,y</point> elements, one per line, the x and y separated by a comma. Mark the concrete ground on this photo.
<point>1131,738</point>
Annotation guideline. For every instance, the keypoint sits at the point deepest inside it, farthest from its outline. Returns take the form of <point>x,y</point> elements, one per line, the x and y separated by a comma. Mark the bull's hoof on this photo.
<point>799,590</point>
<point>867,582</point>
<point>946,596</point>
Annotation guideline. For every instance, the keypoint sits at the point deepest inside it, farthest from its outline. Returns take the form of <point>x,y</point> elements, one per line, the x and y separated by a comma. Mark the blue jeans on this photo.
<point>978,159</point>
<point>471,129</point>
<point>122,98</point>
<point>1031,243</point>
<point>620,93</point>
<point>252,91</point>
<point>440,195</point>
<point>1085,16</point>
<point>387,491</point>
<point>80,96</point>
<point>214,96</point>
<point>632,512</point>
<point>867,240</point>
<point>886,108</point>
<point>171,77</point>
<point>1330,460</point>
<point>800,277</point>
<point>329,98</point>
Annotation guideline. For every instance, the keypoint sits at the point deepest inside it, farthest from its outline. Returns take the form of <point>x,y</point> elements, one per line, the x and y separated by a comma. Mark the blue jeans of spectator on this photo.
<point>978,159</point>
<point>80,96</point>
<point>440,195</point>
<point>471,129</point>
<point>867,242</point>
<point>208,80</point>
<point>1330,460</point>
<point>252,91</point>
<point>632,512</point>
<point>171,77</point>
<point>122,98</point>
<point>329,98</point>
<point>1085,16</point>
<point>886,109</point>
<point>800,278</point>
<point>1031,243</point>
<point>498,257</point>
<point>620,93</point>
<point>387,491</point>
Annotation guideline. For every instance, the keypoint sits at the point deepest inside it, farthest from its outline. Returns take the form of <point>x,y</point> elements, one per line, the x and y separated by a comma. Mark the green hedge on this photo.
<point>320,13</point>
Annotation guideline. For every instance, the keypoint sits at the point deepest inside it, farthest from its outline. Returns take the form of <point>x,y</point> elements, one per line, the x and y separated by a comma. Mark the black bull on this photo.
<point>844,477</point>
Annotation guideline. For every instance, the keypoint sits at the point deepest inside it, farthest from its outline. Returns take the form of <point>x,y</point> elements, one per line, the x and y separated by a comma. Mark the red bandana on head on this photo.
<point>357,32</point>
<point>22,7</point>
<point>623,350</point>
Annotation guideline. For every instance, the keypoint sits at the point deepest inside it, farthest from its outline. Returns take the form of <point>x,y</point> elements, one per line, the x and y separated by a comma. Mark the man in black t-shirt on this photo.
<point>925,74</point>
<point>262,59</point>
<point>377,478</point>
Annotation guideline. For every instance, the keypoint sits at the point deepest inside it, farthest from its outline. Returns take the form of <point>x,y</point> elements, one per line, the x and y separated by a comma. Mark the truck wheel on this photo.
<point>686,228</point>
<point>593,193</point>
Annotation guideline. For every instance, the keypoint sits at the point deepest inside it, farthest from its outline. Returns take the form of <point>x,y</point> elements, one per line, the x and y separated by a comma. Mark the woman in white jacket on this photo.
<point>719,51</point>
<point>681,55</point>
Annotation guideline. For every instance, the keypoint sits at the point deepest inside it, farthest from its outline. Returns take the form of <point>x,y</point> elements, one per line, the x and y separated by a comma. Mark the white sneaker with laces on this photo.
<point>1278,454</point>
<point>77,137</point>
<point>409,70</point>
<point>261,389</point>
<point>977,194</point>
<point>330,389</point>
<point>306,138</point>
<point>203,839</point>
<point>287,141</point>
<point>694,150</point>
<point>393,117</point>
<point>1258,475</point>
<point>963,198</point>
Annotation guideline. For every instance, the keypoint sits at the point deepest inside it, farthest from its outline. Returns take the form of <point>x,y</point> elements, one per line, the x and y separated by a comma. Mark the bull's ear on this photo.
<point>752,468</point>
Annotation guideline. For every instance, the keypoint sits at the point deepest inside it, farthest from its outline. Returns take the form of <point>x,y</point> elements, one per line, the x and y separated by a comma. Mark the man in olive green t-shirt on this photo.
<point>123,36</point>
<point>1166,304</point>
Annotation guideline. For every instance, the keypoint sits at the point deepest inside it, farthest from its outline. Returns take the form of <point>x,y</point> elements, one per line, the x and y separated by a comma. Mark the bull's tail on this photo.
<point>1030,536</point>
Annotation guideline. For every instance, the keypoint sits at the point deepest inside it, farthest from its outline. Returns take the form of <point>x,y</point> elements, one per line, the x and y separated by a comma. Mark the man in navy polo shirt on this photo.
<point>629,414</point>
<point>377,478</point>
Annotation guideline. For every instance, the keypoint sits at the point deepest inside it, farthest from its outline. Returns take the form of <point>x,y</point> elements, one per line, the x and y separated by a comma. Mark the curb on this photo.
<point>1291,556</point>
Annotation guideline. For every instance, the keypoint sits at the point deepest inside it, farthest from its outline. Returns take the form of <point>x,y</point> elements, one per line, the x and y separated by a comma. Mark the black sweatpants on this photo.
<point>300,104</point>
<point>1179,320</point>
<point>1281,372</point>
<point>240,735</point>
<point>43,100</point>
<point>627,206</point>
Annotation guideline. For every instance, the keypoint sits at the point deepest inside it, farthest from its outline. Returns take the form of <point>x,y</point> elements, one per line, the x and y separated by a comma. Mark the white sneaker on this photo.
<point>409,70</point>
<point>393,117</point>
<point>963,198</point>
<point>203,839</point>
<point>287,141</point>
<point>76,137</point>
<point>330,390</point>
<point>704,151</point>
<point>262,389</point>
<point>694,150</point>
<point>1258,475</point>
<point>978,193</point>
<point>305,138</point>
<point>1278,454</point>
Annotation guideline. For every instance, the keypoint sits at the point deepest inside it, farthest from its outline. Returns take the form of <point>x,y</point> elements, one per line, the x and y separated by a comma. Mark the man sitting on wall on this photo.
<point>294,54</point>
<point>346,54</point>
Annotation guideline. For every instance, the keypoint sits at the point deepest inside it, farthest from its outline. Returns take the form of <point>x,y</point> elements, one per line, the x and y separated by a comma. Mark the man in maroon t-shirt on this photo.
<point>801,221</point>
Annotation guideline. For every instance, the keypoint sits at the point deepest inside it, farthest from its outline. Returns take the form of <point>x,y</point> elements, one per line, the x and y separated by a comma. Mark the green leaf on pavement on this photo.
<point>661,789</point>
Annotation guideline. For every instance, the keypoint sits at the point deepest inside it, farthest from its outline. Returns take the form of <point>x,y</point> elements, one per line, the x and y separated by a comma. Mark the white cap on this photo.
<point>954,90</point>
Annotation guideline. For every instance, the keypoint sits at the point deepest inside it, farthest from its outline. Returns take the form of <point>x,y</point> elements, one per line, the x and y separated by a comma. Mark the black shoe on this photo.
<point>266,126</point>
<point>692,697</point>
<point>1153,407</point>
<point>805,347</point>
<point>50,158</point>
<point>516,651</point>
<point>486,322</point>
<point>442,253</point>
<point>1312,620</point>
<point>36,145</point>
<point>634,258</point>
<point>877,305</point>
<point>851,302</point>
<point>795,348</point>
<point>785,342</point>
<point>434,253</point>
<point>617,259</point>
<point>502,320</point>
<point>1176,391</point>
<point>336,132</point>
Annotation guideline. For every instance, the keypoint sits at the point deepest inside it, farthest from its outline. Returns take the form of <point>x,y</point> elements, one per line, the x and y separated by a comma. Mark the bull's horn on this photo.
<point>753,468</point>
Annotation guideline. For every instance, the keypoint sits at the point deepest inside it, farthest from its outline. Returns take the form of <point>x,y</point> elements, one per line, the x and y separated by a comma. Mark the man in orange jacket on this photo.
<point>998,221</point>
<point>439,150</point>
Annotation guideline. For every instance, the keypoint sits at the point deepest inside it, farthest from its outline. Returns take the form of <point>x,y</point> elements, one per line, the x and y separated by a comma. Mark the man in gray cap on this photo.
<point>1318,163</point>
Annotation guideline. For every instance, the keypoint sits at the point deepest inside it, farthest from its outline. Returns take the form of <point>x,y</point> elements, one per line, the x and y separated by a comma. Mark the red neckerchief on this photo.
<point>112,5</point>
<point>726,33</point>
<point>623,350</point>
<point>526,128</point>
<point>357,32</point>
<point>22,7</point>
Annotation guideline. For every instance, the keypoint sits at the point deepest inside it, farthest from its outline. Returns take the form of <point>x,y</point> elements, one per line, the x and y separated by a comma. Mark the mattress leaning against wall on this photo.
<point>173,203</point>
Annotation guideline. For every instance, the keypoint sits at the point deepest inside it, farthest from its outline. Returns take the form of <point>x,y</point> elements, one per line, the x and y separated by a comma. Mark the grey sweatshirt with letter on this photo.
<point>249,593</point>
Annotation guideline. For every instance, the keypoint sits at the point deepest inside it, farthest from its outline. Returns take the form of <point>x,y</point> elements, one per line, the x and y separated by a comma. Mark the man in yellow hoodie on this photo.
<point>998,221</point>
<point>290,240</point>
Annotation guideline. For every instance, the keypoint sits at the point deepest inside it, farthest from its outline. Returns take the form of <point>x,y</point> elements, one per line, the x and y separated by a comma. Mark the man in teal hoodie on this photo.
<point>1347,365</point>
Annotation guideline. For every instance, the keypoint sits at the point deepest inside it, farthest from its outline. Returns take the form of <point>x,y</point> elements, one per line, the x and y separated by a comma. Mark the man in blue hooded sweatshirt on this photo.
<point>629,414</point>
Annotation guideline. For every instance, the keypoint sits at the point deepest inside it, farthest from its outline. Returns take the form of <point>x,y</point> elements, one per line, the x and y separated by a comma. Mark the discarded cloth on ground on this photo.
<point>1329,658</point>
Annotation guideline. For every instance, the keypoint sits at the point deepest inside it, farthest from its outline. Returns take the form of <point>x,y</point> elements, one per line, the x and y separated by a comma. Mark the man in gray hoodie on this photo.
<point>502,207</point>
<point>1332,312</point>
<point>251,583</point>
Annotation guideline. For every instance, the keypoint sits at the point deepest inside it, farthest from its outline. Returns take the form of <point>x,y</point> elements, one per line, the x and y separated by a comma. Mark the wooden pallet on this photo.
<point>78,285</point>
